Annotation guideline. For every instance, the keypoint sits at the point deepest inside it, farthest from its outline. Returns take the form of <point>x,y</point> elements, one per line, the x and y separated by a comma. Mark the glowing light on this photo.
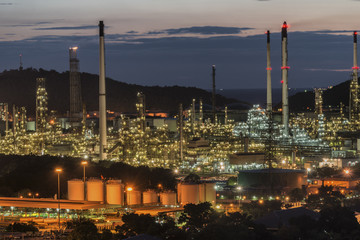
<point>269,68</point>
<point>356,67</point>
<point>129,189</point>
<point>285,67</point>
<point>58,170</point>
<point>282,81</point>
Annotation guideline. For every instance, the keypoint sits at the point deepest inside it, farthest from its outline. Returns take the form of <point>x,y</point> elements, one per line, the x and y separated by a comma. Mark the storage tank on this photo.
<point>95,190</point>
<point>274,178</point>
<point>168,198</point>
<point>133,197</point>
<point>207,193</point>
<point>115,192</point>
<point>76,190</point>
<point>189,193</point>
<point>150,197</point>
<point>179,192</point>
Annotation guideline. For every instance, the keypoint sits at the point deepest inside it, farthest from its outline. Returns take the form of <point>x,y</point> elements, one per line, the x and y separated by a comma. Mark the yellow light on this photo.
<point>129,189</point>
<point>58,170</point>
<point>84,162</point>
<point>261,201</point>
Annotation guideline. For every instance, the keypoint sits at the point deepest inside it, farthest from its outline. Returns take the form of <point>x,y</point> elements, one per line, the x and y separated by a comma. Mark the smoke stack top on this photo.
<point>355,37</point>
<point>284,30</point>
<point>268,36</point>
<point>101,28</point>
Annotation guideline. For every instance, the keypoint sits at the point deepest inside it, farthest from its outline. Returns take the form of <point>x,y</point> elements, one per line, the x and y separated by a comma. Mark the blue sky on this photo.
<point>175,42</point>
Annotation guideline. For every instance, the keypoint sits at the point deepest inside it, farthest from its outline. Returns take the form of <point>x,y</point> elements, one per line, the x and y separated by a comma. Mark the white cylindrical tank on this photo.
<point>95,190</point>
<point>115,192</point>
<point>189,193</point>
<point>150,197</point>
<point>133,197</point>
<point>168,198</point>
<point>76,190</point>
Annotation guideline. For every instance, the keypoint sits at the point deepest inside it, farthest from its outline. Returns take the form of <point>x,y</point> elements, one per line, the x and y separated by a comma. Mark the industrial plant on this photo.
<point>268,149</point>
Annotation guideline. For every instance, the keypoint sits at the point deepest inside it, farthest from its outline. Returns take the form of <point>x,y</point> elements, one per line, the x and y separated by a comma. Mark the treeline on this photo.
<point>35,174</point>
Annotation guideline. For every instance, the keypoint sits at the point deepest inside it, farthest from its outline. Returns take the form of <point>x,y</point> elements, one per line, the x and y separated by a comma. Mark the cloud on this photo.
<point>132,32</point>
<point>6,4</point>
<point>327,70</point>
<point>69,28</point>
<point>204,30</point>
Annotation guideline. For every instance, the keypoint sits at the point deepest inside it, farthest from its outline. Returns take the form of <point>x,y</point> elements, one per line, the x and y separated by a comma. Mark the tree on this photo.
<point>106,235</point>
<point>83,229</point>
<point>296,195</point>
<point>338,220</point>
<point>192,178</point>
<point>257,209</point>
<point>135,224</point>
<point>21,227</point>
<point>325,172</point>
<point>326,197</point>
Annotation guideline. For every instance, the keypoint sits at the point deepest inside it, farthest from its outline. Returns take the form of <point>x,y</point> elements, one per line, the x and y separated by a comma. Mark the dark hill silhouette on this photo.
<point>305,101</point>
<point>18,87</point>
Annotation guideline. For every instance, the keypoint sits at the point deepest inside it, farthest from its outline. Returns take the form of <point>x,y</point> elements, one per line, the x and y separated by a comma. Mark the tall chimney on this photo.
<point>353,99</point>
<point>75,88</point>
<point>102,94</point>
<point>268,76</point>
<point>285,68</point>
<point>181,137</point>
<point>213,95</point>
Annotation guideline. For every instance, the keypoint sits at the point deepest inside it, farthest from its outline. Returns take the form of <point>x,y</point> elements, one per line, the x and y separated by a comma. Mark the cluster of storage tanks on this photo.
<point>113,192</point>
<point>196,193</point>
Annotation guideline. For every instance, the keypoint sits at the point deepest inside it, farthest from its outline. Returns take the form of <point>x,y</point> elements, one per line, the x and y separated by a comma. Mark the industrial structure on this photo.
<point>41,105</point>
<point>75,89</point>
<point>102,94</point>
<point>198,138</point>
<point>285,86</point>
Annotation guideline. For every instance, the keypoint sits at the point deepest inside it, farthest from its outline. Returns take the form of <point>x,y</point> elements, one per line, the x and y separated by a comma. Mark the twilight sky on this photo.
<point>175,42</point>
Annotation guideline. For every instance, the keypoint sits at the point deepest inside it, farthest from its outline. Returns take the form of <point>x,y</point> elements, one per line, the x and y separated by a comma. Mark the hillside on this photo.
<point>18,87</point>
<point>305,101</point>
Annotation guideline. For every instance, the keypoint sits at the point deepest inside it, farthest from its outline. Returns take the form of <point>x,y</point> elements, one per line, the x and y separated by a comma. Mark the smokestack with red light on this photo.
<point>284,69</point>
<point>268,70</point>
<point>102,94</point>
<point>353,100</point>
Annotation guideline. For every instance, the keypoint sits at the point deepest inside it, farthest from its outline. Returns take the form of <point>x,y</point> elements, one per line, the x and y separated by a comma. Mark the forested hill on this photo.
<point>18,87</point>
<point>305,101</point>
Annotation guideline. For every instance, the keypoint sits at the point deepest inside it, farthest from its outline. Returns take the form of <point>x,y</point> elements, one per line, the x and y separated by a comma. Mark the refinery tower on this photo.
<point>75,89</point>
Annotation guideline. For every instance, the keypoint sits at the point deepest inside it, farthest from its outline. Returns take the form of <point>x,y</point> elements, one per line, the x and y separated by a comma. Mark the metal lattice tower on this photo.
<point>318,101</point>
<point>75,87</point>
<point>41,105</point>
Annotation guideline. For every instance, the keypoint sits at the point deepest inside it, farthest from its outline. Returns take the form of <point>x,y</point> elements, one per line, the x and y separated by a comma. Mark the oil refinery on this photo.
<point>270,152</point>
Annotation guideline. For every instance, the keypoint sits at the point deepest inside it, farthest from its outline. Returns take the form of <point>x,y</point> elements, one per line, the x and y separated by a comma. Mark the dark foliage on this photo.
<point>83,229</point>
<point>21,227</point>
<point>257,209</point>
<point>36,174</point>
